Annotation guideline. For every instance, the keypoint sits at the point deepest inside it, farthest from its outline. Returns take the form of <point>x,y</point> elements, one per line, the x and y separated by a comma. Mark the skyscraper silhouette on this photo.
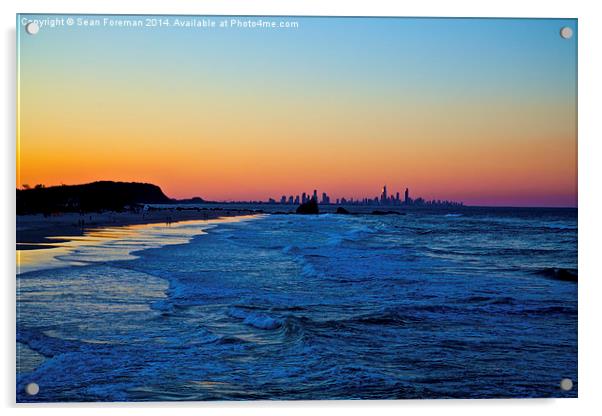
<point>383,196</point>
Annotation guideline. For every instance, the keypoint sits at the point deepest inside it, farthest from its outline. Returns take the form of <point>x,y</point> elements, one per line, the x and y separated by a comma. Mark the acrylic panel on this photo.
<point>295,208</point>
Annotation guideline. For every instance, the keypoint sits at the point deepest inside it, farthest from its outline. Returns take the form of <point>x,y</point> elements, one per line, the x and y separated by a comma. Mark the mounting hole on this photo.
<point>32,389</point>
<point>566,384</point>
<point>32,28</point>
<point>566,32</point>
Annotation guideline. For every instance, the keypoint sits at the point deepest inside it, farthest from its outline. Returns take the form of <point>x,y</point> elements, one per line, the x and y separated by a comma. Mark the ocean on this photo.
<point>464,303</point>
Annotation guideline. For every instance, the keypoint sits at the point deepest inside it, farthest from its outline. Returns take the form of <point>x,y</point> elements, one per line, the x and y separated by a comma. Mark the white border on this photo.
<point>590,68</point>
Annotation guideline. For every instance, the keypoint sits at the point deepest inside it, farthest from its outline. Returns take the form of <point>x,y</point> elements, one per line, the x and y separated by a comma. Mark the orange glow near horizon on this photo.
<point>456,158</point>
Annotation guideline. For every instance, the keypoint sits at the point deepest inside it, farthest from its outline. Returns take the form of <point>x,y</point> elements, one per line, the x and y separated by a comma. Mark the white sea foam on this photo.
<point>254,319</point>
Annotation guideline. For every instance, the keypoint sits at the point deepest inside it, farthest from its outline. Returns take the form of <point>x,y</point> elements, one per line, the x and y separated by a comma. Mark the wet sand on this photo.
<point>33,231</point>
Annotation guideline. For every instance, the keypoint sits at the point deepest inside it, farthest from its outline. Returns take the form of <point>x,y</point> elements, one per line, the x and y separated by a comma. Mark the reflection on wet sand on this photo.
<point>112,243</point>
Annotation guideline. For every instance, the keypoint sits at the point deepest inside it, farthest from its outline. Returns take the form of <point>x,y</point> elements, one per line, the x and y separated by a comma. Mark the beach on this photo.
<point>34,231</point>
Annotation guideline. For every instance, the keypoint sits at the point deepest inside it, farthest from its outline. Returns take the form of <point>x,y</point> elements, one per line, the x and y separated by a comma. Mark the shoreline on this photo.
<point>36,232</point>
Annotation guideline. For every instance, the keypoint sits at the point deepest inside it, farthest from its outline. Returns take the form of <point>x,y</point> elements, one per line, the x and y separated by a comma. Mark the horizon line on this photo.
<point>277,202</point>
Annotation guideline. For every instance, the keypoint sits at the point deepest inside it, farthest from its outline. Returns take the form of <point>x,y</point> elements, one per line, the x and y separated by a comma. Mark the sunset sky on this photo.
<point>475,110</point>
